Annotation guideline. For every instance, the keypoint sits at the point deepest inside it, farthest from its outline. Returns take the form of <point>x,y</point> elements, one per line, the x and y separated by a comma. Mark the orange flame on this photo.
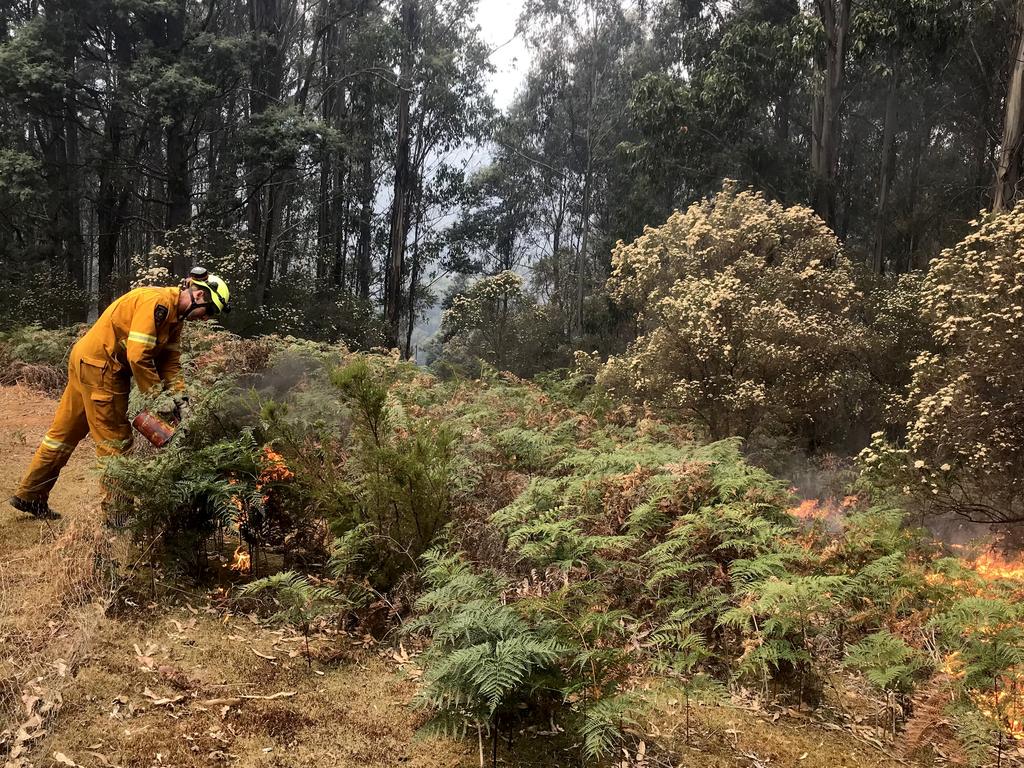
<point>1005,703</point>
<point>992,569</point>
<point>812,509</point>
<point>992,566</point>
<point>241,560</point>
<point>276,470</point>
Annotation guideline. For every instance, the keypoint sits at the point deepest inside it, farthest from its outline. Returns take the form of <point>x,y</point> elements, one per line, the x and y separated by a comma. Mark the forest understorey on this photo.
<point>112,659</point>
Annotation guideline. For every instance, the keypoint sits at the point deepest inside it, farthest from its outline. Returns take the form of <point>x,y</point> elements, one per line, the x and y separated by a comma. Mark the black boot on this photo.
<point>36,507</point>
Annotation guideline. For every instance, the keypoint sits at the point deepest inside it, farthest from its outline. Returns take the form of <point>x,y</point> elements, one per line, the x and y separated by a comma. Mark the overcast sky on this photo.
<point>497,19</point>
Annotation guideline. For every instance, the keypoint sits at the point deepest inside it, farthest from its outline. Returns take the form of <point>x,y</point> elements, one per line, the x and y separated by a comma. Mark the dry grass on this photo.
<point>44,588</point>
<point>49,379</point>
<point>741,735</point>
<point>52,598</point>
<point>350,714</point>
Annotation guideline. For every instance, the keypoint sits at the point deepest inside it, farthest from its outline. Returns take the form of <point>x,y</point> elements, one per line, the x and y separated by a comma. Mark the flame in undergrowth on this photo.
<point>809,509</point>
<point>830,509</point>
<point>1004,703</point>
<point>1002,700</point>
<point>992,566</point>
<point>241,561</point>
<point>276,469</point>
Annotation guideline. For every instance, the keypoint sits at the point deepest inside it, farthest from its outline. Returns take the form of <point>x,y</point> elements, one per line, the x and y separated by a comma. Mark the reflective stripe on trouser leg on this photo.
<point>69,426</point>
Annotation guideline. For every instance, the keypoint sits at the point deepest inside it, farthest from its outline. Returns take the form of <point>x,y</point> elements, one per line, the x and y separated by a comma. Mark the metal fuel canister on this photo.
<point>153,428</point>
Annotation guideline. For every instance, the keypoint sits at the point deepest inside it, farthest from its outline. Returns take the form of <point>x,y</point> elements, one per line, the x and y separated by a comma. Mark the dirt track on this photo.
<point>24,418</point>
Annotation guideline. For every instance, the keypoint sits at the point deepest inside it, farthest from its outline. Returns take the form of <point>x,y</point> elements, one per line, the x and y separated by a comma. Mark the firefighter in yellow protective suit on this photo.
<point>137,335</point>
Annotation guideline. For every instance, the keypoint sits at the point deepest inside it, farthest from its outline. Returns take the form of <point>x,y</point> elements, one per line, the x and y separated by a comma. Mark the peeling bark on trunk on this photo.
<point>1008,165</point>
<point>827,107</point>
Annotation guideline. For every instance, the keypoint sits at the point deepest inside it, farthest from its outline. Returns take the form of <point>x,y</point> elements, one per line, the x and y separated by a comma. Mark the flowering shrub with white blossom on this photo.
<point>964,448</point>
<point>746,323</point>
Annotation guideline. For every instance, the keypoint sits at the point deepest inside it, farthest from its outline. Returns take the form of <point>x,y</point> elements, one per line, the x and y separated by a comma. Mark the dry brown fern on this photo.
<point>928,726</point>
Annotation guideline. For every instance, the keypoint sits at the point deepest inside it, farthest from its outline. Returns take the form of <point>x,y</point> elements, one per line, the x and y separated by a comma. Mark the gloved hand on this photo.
<point>180,401</point>
<point>169,407</point>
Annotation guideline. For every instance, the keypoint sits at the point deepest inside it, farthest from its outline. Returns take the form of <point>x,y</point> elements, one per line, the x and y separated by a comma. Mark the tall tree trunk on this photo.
<point>263,185</point>
<point>581,254</point>
<point>885,173</point>
<point>74,243</point>
<point>920,137</point>
<point>111,207</point>
<point>179,190</point>
<point>576,325</point>
<point>366,192</point>
<point>403,178</point>
<point>323,220</point>
<point>340,267</point>
<point>414,275</point>
<point>827,107</point>
<point>325,195</point>
<point>1008,164</point>
<point>339,198</point>
<point>556,248</point>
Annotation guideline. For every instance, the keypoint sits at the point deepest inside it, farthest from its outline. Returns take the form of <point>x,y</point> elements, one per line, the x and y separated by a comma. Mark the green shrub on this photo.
<point>220,474</point>
<point>964,450</point>
<point>36,345</point>
<point>400,475</point>
<point>298,601</point>
<point>525,448</point>
<point>179,497</point>
<point>495,323</point>
<point>41,296</point>
<point>493,663</point>
<point>485,659</point>
<point>36,356</point>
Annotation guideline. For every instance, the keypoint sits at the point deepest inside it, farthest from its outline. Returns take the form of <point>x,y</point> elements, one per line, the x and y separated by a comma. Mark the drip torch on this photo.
<point>154,429</point>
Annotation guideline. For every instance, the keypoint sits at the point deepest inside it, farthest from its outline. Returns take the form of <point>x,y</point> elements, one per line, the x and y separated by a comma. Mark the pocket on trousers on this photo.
<point>95,373</point>
<point>110,415</point>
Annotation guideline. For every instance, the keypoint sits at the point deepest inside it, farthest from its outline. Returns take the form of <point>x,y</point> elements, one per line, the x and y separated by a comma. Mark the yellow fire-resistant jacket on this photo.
<point>138,335</point>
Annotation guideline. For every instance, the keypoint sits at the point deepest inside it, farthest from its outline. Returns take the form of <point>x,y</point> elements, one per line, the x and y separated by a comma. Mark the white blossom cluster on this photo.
<point>154,275</point>
<point>485,301</point>
<point>965,436</point>
<point>227,254</point>
<point>745,306</point>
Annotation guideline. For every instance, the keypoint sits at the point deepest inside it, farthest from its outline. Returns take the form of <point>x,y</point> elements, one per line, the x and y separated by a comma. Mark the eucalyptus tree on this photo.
<point>443,107</point>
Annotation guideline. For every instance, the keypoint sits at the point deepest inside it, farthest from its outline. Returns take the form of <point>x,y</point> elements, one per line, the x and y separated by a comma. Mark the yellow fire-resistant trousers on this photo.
<point>95,402</point>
